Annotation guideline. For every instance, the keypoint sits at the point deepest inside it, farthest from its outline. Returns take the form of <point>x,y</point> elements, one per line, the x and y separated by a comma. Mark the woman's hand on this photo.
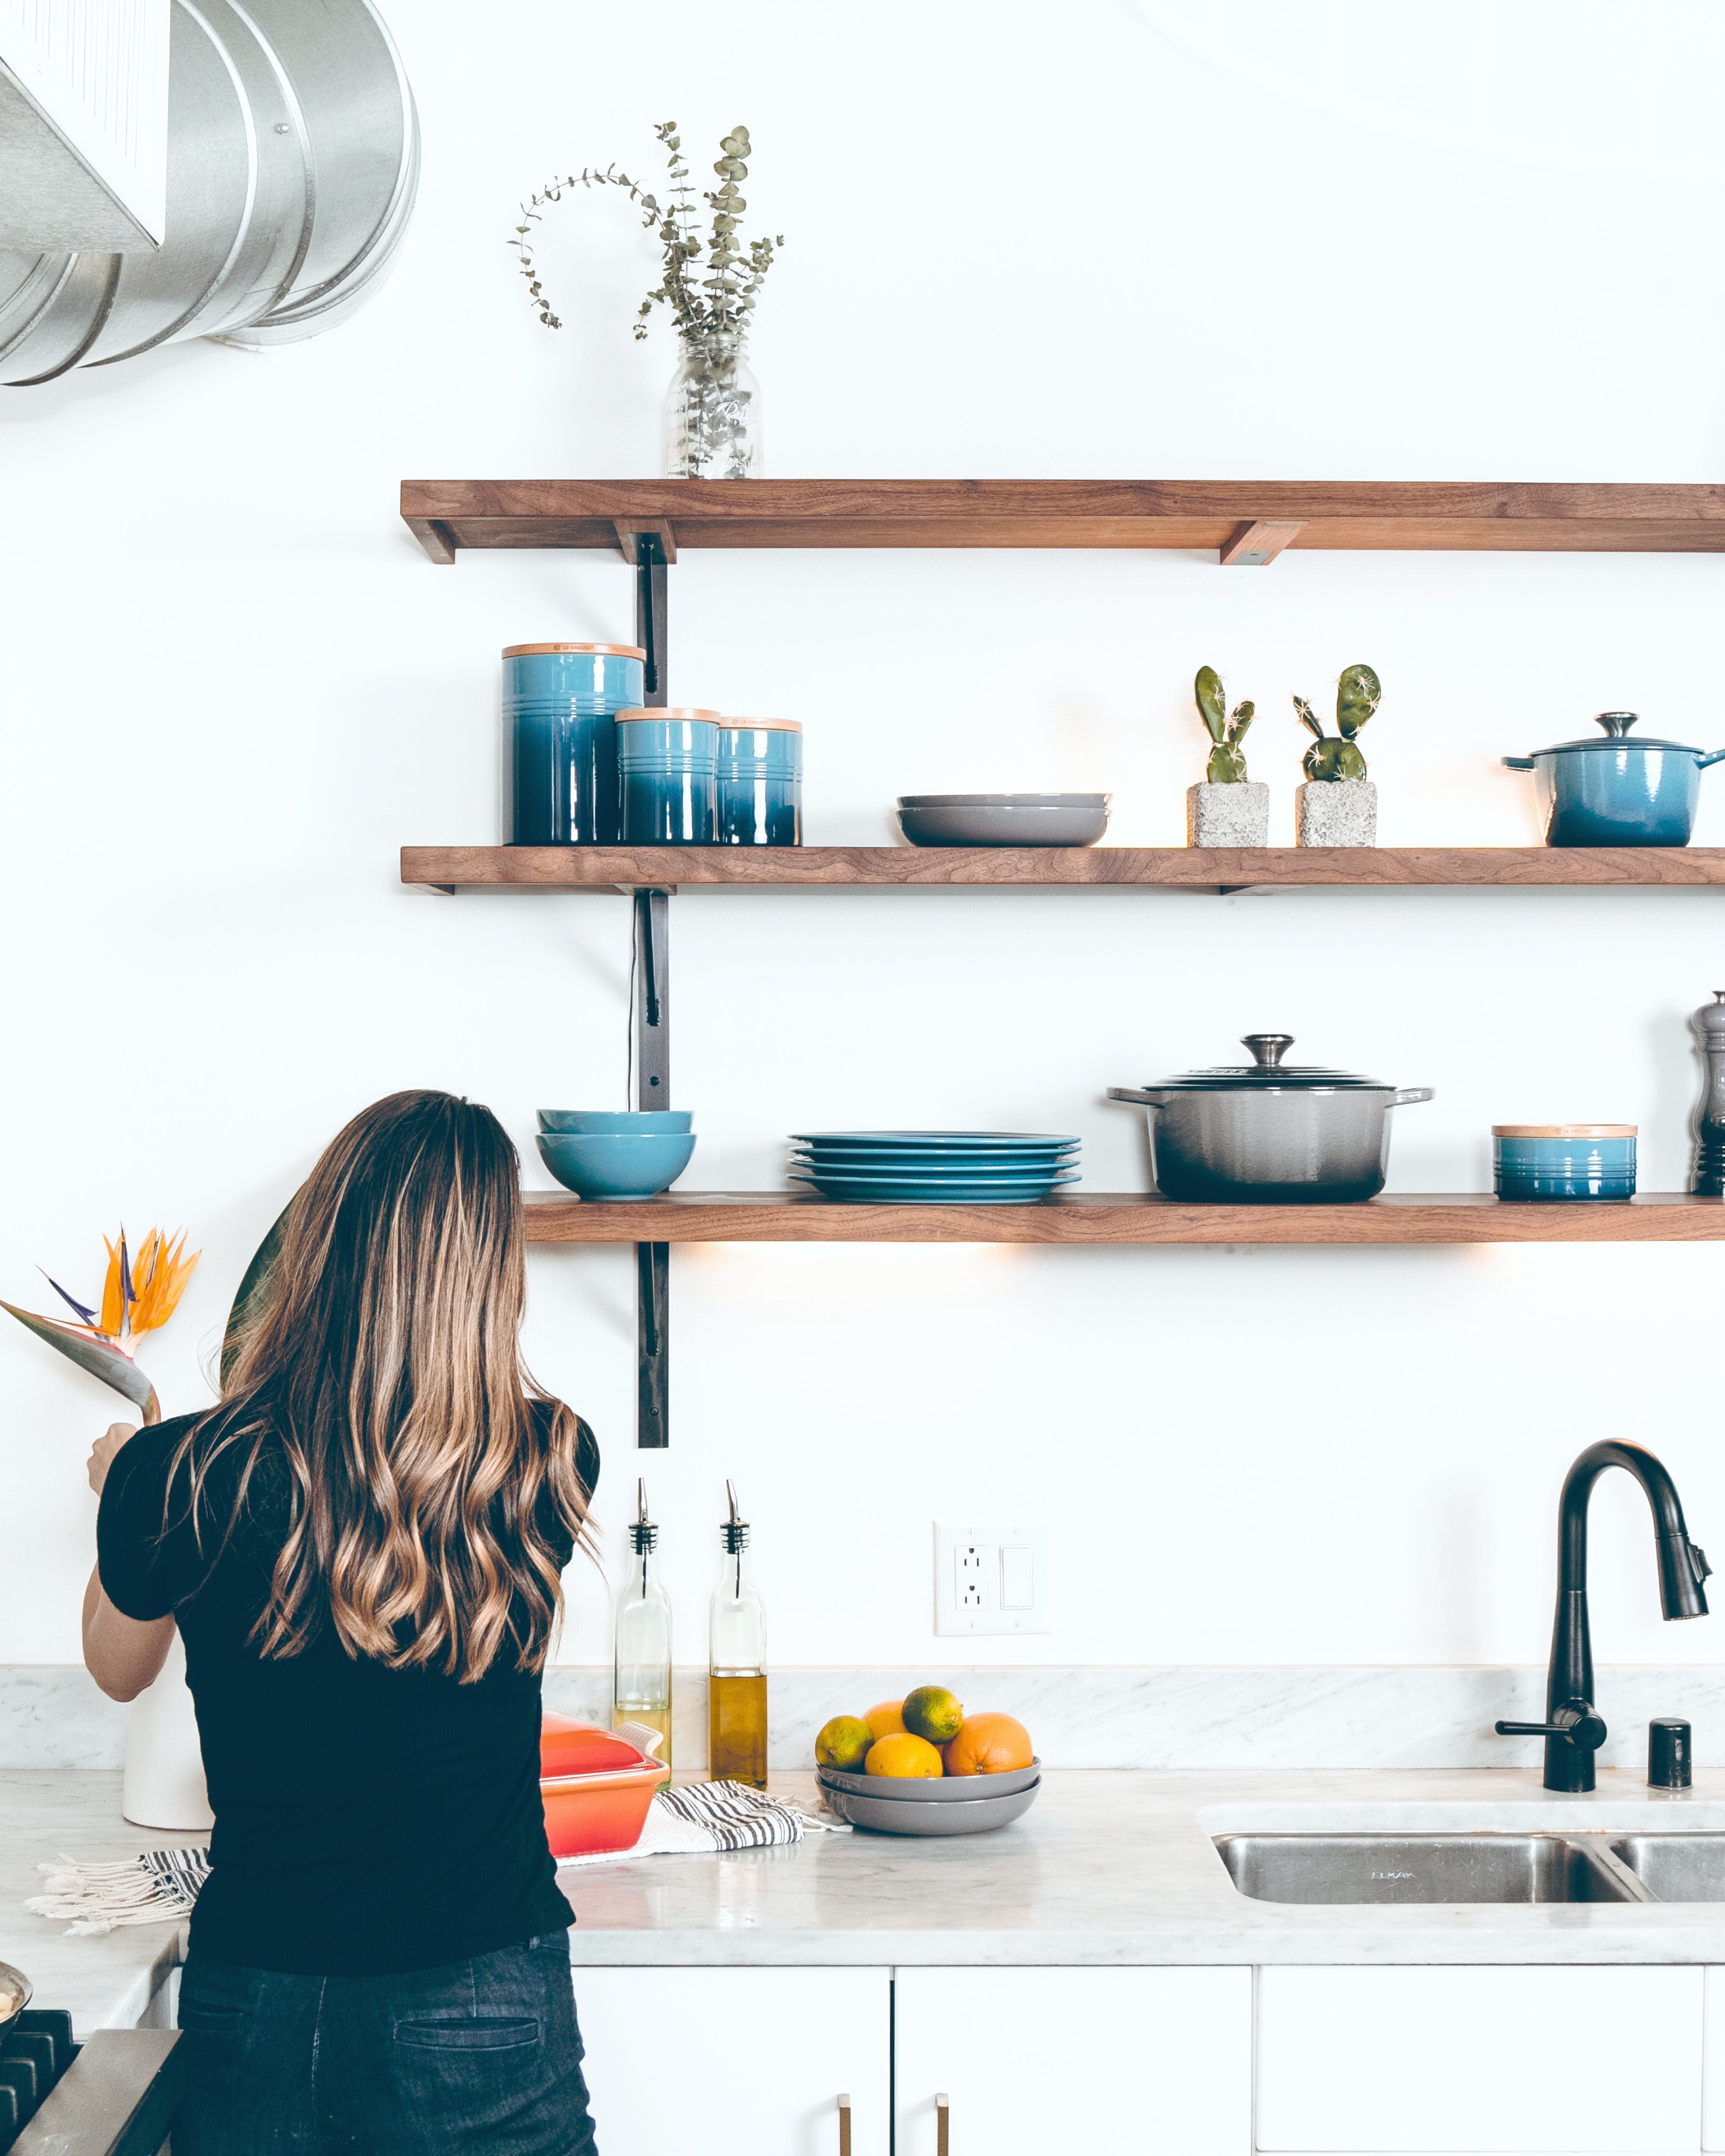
<point>102,1452</point>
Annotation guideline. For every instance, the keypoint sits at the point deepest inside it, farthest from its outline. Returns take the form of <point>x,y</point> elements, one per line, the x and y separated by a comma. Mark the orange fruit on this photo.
<point>987,1744</point>
<point>888,1719</point>
<point>906,1757</point>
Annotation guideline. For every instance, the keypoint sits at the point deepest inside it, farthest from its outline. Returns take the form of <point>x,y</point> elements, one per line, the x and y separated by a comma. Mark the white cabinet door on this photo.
<point>1458,2059</point>
<point>1712,2065</point>
<point>735,2061</point>
<point>1132,2061</point>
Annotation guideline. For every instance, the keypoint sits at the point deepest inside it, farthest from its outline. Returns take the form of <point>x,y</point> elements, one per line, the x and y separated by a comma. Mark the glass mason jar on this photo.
<point>712,414</point>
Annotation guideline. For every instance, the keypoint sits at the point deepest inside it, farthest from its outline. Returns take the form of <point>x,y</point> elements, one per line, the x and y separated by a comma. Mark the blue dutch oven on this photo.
<point>1616,791</point>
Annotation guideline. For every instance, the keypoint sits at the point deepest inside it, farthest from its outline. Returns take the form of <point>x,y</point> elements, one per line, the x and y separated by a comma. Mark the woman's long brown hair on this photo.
<point>428,1479</point>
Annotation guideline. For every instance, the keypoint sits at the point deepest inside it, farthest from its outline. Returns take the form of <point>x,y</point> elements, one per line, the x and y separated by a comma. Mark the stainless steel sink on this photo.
<point>1435,1867</point>
<point>1675,1867</point>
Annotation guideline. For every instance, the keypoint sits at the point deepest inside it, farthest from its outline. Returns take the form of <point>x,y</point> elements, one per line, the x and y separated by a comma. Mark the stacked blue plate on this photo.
<point>969,1167</point>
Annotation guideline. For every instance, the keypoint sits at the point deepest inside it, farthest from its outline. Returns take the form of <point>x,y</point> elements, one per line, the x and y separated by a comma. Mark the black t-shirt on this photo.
<point>368,1819</point>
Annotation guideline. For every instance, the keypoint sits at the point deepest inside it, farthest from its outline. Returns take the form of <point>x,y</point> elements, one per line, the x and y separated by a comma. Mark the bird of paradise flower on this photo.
<point>138,1296</point>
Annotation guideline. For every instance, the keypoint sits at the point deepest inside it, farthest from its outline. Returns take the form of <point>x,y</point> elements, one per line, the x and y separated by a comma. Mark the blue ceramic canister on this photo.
<point>1563,1160</point>
<point>560,702</point>
<point>760,782</point>
<point>667,762</point>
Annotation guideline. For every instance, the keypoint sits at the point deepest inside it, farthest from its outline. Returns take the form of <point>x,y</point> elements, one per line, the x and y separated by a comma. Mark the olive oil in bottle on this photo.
<point>641,1632</point>
<point>736,1664</point>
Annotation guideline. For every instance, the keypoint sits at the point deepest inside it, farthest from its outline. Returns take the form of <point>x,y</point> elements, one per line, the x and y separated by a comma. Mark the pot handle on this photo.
<point>1409,1095</point>
<point>1702,761</point>
<point>1525,762</point>
<point>1135,1093</point>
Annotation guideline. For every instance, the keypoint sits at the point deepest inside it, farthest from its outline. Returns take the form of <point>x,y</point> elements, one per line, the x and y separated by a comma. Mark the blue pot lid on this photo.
<point>1267,1070</point>
<point>1617,724</point>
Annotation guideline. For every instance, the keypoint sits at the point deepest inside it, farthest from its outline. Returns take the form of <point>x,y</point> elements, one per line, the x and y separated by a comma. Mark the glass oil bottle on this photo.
<point>736,1664</point>
<point>641,1631</point>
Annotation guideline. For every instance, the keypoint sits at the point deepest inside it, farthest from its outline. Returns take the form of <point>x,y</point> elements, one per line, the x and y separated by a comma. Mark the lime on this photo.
<point>932,1711</point>
<point>844,1744</point>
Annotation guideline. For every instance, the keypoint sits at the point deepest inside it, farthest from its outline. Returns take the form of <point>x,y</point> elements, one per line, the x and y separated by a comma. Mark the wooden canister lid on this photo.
<point>668,711</point>
<point>600,650</point>
<point>765,726</point>
<point>1563,1130</point>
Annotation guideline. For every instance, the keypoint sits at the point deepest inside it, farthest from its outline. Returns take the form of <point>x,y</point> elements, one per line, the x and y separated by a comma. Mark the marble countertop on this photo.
<point>48,1812</point>
<point>1106,1867</point>
<point>1120,1867</point>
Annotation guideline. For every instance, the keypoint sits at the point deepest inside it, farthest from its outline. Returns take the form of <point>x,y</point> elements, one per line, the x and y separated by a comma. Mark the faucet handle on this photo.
<point>1578,1727</point>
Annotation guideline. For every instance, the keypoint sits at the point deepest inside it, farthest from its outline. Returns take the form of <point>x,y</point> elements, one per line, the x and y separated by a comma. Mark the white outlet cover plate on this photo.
<point>991,1579</point>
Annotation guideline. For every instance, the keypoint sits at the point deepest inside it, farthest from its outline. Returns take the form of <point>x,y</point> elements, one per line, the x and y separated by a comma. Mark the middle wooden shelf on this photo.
<point>449,868</point>
<point>784,1216</point>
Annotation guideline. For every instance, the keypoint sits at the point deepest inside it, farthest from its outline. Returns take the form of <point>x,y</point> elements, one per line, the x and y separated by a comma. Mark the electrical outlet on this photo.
<point>991,1579</point>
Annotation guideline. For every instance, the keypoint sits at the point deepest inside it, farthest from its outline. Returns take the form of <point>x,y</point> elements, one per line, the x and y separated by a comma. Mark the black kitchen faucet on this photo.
<point>1572,1729</point>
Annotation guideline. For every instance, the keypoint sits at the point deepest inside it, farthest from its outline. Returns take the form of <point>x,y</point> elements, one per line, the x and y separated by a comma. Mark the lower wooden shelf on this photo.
<point>780,1216</point>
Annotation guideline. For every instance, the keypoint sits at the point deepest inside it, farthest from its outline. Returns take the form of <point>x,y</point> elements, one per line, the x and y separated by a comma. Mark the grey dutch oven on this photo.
<point>1271,1133</point>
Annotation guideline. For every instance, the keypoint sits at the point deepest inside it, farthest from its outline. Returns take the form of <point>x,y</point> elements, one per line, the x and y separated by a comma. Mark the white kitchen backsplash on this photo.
<point>1318,1717</point>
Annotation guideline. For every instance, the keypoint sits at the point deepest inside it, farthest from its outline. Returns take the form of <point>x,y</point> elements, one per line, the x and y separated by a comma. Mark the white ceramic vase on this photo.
<point>164,1783</point>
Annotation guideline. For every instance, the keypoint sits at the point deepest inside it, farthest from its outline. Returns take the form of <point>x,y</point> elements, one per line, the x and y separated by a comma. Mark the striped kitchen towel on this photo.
<point>153,1887</point>
<point>702,1817</point>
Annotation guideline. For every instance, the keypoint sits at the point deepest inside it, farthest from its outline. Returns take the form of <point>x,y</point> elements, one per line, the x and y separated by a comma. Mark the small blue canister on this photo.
<point>760,782</point>
<point>560,702</point>
<point>1564,1160</point>
<point>667,762</point>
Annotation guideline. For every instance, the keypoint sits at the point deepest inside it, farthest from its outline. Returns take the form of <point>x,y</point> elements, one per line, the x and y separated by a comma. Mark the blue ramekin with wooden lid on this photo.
<point>1563,1160</point>
<point>759,797</point>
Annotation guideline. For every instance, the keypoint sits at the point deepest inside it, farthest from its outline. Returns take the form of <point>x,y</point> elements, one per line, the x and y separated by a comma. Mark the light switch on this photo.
<point>1018,1577</point>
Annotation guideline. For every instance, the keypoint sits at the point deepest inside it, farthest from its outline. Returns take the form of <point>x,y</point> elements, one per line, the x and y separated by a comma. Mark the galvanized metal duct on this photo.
<point>293,162</point>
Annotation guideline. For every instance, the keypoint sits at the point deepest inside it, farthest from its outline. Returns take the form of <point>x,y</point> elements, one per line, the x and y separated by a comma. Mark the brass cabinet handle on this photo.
<point>942,2113</point>
<point>844,2125</point>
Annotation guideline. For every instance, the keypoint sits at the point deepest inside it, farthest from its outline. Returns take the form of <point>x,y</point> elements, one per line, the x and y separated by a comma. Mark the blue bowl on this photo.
<point>616,1163</point>
<point>1535,1161</point>
<point>646,1123</point>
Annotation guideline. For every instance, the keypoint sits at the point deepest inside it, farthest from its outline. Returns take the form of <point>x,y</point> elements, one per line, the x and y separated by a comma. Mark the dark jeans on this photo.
<point>481,2056</point>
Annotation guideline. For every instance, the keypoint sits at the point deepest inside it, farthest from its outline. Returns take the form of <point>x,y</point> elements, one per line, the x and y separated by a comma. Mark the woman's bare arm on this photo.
<point>124,1654</point>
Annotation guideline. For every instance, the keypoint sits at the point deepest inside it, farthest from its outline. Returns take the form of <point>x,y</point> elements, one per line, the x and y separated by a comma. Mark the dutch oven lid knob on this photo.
<point>1617,724</point>
<point>1267,1048</point>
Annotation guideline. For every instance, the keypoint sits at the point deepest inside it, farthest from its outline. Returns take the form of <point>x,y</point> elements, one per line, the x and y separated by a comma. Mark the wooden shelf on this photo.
<point>1476,516</point>
<point>1156,868</point>
<point>779,1216</point>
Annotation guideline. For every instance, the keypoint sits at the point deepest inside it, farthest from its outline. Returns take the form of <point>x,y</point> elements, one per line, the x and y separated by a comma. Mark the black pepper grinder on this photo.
<point>1670,1753</point>
<point>1710,1125</point>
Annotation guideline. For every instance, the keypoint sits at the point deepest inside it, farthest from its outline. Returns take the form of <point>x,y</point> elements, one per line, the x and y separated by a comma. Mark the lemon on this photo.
<point>905,1757</point>
<point>932,1711</point>
<point>844,1744</point>
<point>885,1720</point>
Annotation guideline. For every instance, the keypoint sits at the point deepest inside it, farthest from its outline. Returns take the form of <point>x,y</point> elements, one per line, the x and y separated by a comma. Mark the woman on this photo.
<point>362,1545</point>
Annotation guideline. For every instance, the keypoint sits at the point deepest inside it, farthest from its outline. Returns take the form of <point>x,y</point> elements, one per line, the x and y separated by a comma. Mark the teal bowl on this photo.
<point>644,1122</point>
<point>616,1163</point>
<point>1560,1160</point>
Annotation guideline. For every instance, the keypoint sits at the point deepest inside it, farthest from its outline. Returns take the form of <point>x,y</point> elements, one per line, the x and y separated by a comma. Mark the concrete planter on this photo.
<point>1227,815</point>
<point>1337,812</point>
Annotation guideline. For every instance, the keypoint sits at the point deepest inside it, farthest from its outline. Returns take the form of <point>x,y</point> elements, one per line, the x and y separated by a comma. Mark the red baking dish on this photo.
<point>596,1787</point>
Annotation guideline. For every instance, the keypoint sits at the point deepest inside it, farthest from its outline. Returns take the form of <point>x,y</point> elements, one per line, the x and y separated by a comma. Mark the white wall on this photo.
<point>1022,240</point>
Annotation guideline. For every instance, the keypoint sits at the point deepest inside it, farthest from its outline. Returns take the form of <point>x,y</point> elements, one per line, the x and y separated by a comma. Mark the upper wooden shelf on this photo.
<point>1475,516</point>
<point>779,1216</point>
<point>1167,868</point>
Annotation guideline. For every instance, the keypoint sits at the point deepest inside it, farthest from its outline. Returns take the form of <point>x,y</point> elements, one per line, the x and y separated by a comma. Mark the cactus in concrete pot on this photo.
<point>1227,766</point>
<point>1357,694</point>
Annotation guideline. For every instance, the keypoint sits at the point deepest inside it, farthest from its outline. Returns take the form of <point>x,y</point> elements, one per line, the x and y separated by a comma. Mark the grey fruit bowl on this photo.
<point>1003,819</point>
<point>943,1789</point>
<point>905,1816</point>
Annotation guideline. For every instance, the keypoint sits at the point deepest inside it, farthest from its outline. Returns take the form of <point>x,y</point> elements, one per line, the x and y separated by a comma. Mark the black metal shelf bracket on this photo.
<point>647,551</point>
